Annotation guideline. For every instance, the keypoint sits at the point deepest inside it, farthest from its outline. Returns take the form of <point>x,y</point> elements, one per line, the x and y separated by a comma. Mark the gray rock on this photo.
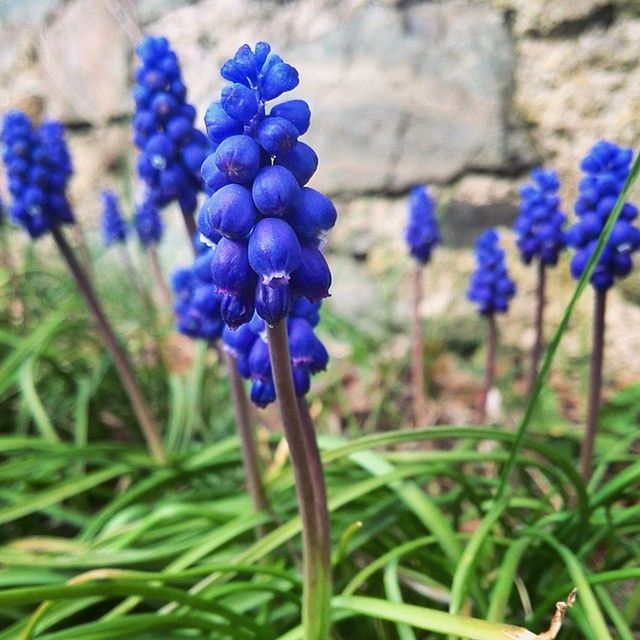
<point>84,57</point>
<point>421,96</point>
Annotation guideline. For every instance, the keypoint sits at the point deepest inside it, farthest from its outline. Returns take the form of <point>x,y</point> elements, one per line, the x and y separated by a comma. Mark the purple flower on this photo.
<point>607,167</point>
<point>260,150</point>
<point>422,233</point>
<point>490,286</point>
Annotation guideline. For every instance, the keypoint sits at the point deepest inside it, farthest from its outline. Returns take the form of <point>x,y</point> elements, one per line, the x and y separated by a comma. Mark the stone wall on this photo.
<point>466,95</point>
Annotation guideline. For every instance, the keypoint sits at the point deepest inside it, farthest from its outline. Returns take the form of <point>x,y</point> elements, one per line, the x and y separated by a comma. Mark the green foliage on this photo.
<point>450,531</point>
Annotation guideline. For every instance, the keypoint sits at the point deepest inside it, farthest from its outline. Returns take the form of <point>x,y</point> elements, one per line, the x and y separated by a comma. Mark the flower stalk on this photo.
<point>250,458</point>
<point>536,350</point>
<point>125,371</point>
<point>310,489</point>
<point>490,365</point>
<point>595,383</point>
<point>163,294</point>
<point>420,409</point>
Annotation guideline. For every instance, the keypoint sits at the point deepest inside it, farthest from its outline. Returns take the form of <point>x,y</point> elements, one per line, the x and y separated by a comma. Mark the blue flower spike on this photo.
<point>258,199</point>
<point>490,286</point>
<point>606,167</point>
<point>422,233</point>
<point>38,167</point>
<point>539,227</point>
<point>113,225</point>
<point>171,148</point>
<point>197,306</point>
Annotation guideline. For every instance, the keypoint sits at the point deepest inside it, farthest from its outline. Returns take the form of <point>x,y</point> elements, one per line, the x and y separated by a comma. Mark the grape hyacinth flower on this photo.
<point>606,168</point>
<point>38,168</point>
<point>422,235</point>
<point>540,237</point>
<point>266,222</point>
<point>114,226</point>
<point>267,226</point>
<point>171,148</point>
<point>491,289</point>
<point>196,306</point>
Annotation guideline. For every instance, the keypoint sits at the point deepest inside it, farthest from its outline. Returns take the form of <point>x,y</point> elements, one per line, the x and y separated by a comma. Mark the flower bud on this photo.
<point>302,161</point>
<point>275,189</point>
<point>277,136</point>
<point>274,250</point>
<point>312,214</point>
<point>229,211</point>
<point>238,157</point>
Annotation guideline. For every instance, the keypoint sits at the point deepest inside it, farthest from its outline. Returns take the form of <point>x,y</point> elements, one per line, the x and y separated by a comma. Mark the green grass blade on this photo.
<point>33,402</point>
<point>431,619</point>
<point>394,594</point>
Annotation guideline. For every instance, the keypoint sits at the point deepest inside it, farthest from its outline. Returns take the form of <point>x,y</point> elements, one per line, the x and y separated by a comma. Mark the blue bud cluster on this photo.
<point>422,233</point>
<point>197,307</point>
<point>248,345</point>
<point>113,225</point>
<point>539,227</point>
<point>606,167</point>
<point>148,223</point>
<point>267,225</point>
<point>172,149</point>
<point>490,286</point>
<point>38,167</point>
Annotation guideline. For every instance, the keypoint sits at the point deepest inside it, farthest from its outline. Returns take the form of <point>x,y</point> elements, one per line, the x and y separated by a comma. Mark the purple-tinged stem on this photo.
<point>536,351</point>
<point>190,225</point>
<point>420,409</point>
<point>162,290</point>
<point>310,488</point>
<point>595,384</point>
<point>250,458</point>
<point>490,366</point>
<point>135,276</point>
<point>125,371</point>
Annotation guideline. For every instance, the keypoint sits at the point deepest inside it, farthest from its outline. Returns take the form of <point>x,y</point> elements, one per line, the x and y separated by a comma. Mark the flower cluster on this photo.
<point>114,226</point>
<point>38,168</point>
<point>248,345</point>
<point>148,223</point>
<point>422,233</point>
<point>606,167</point>
<point>490,286</point>
<point>197,308</point>
<point>539,227</point>
<point>266,224</point>
<point>172,149</point>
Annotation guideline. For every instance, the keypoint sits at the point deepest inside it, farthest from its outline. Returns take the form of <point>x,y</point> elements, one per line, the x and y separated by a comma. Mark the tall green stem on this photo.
<point>420,410</point>
<point>310,488</point>
<point>539,327</point>
<point>125,371</point>
<point>490,367</point>
<point>595,384</point>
